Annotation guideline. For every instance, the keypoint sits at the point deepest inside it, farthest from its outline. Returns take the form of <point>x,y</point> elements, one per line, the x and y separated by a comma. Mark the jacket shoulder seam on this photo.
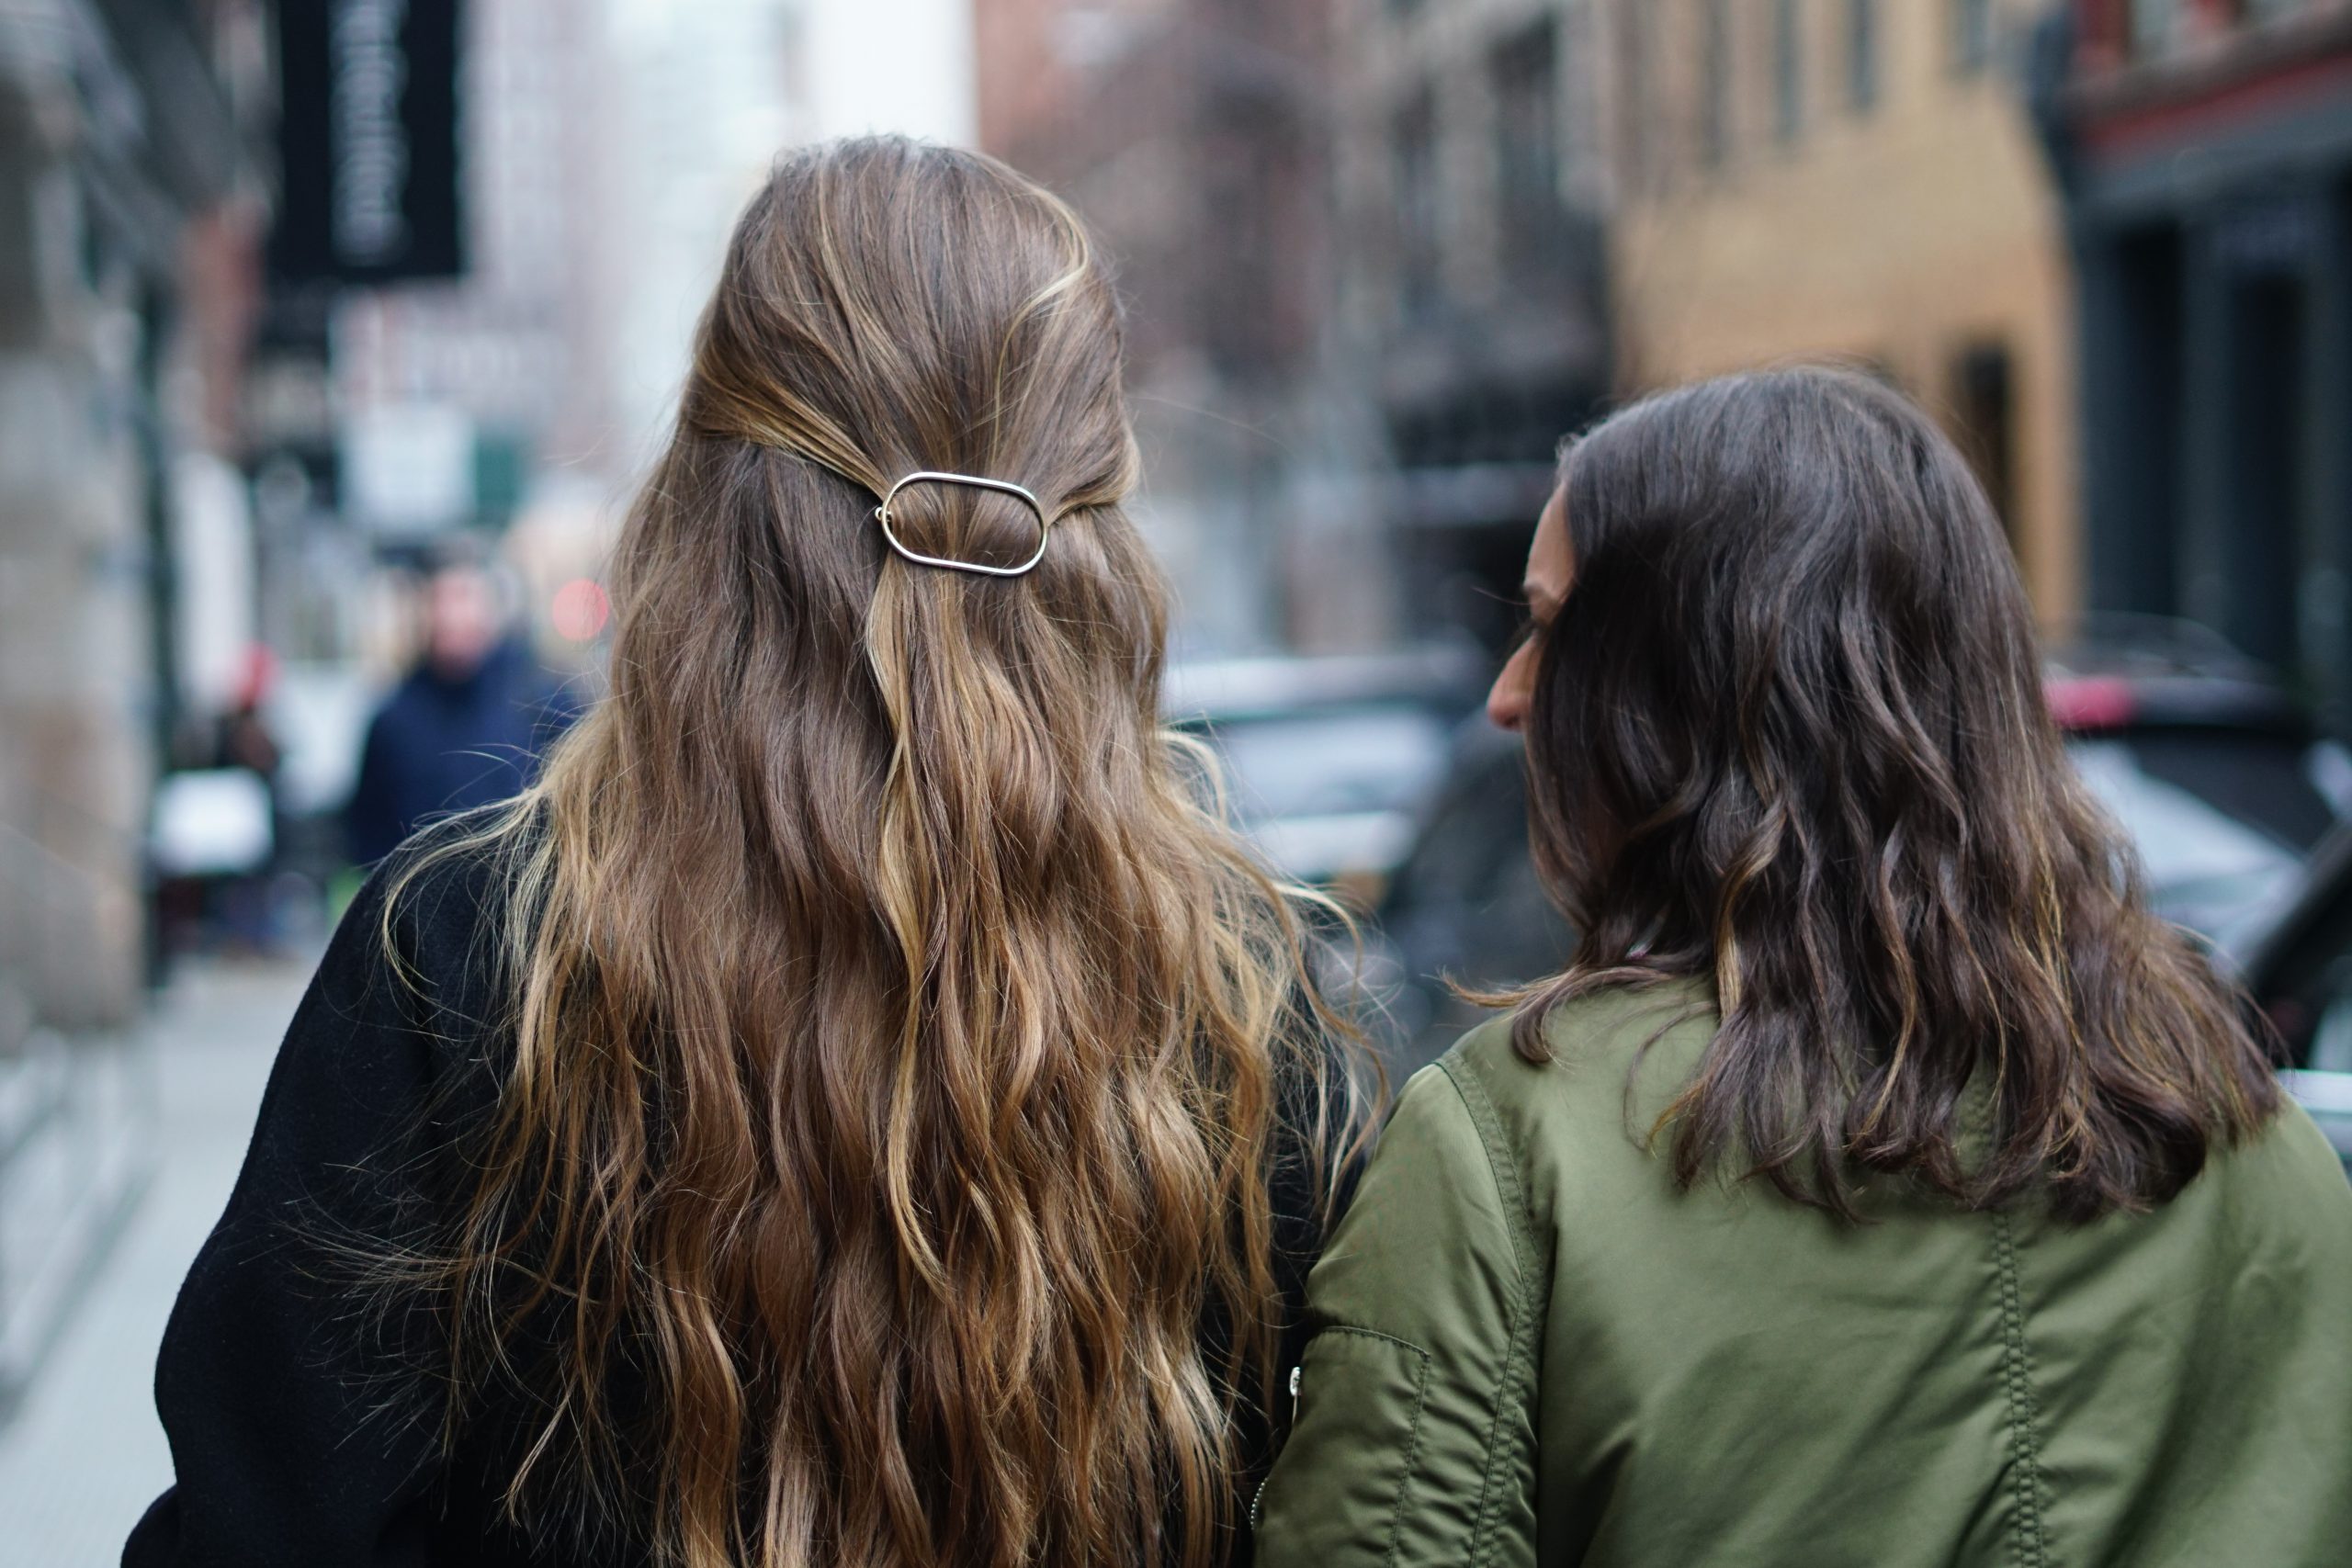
<point>1501,1162</point>
<point>1502,1165</point>
<point>2016,1369</point>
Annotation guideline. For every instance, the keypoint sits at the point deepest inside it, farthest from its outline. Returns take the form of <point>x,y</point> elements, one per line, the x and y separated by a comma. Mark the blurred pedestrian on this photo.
<point>855,1107</point>
<point>1881,1182</point>
<point>466,726</point>
<point>217,828</point>
<point>243,738</point>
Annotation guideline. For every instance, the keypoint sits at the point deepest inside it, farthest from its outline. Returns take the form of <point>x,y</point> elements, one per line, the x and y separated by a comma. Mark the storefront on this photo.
<point>2209,194</point>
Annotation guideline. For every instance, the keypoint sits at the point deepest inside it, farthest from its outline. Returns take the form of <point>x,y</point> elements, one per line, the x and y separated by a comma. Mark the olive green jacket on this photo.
<point>1532,1347</point>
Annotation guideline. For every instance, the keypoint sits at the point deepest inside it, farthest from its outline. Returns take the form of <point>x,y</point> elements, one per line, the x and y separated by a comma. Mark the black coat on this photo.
<point>300,1436</point>
<point>441,744</point>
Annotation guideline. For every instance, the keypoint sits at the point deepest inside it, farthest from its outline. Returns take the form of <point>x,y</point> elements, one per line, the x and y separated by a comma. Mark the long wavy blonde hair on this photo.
<point>901,1047</point>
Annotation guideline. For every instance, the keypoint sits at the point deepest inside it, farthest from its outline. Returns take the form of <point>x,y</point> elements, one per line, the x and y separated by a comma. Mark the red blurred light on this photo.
<point>580,609</point>
<point>2090,702</point>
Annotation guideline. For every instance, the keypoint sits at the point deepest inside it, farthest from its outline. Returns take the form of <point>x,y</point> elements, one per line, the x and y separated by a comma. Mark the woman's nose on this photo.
<point>1506,701</point>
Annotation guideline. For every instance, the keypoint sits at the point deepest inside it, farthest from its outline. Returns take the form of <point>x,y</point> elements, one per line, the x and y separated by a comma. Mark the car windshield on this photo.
<point>2208,867</point>
<point>1330,763</point>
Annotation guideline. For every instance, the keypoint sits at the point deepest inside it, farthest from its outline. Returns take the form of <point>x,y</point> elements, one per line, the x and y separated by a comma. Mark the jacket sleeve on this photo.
<point>290,1440</point>
<point>1414,1438</point>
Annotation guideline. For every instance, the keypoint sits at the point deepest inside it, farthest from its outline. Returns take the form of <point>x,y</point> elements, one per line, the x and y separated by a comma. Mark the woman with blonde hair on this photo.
<point>858,1107</point>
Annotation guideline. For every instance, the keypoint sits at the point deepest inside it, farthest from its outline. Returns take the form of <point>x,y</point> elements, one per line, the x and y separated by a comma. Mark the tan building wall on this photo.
<point>1911,233</point>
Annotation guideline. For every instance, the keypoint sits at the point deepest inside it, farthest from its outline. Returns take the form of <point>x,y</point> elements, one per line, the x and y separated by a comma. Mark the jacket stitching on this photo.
<point>1257,1498</point>
<point>1520,1227</point>
<point>1413,1442</point>
<point>1373,1334</point>
<point>1412,1432</point>
<point>2016,1364</point>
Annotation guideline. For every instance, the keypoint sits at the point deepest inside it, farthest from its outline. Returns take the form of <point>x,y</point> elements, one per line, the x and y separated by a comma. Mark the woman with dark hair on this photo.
<point>856,1107</point>
<point>1881,1183</point>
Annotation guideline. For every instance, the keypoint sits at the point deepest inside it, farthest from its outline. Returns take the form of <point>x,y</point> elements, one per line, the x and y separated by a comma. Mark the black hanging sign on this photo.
<point>367,141</point>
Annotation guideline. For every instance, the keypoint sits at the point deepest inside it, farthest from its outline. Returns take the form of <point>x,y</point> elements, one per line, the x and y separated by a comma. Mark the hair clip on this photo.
<point>926,476</point>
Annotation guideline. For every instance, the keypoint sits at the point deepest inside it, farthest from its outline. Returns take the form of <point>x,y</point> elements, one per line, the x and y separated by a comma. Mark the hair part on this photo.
<point>902,1049</point>
<point>1789,733</point>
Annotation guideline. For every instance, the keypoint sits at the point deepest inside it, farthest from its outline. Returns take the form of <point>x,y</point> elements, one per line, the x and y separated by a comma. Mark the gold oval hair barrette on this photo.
<point>927,475</point>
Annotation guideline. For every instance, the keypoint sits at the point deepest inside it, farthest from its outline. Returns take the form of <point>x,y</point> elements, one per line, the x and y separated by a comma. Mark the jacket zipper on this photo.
<point>1260,1495</point>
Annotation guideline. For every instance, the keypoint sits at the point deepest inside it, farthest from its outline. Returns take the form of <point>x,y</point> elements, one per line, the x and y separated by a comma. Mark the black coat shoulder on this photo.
<point>297,1435</point>
<point>302,1430</point>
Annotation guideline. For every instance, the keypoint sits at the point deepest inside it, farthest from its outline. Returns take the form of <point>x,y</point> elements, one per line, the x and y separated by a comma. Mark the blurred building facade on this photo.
<point>1195,138</point>
<point>458,403</point>
<point>1545,204</point>
<point>608,149</point>
<point>2207,147</point>
<point>130,223</point>
<point>1859,179</point>
<point>1473,305</point>
<point>504,345</point>
<point>702,99</point>
<point>130,210</point>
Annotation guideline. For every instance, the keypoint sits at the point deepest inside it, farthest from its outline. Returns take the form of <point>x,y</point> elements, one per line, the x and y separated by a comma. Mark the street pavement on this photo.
<point>84,1455</point>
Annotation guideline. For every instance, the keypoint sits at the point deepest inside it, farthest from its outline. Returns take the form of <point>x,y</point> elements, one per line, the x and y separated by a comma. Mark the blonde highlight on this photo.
<point>902,1048</point>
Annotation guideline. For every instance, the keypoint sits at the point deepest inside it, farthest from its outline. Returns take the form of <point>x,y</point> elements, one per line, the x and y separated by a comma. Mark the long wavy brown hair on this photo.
<point>901,1043</point>
<point>1789,733</point>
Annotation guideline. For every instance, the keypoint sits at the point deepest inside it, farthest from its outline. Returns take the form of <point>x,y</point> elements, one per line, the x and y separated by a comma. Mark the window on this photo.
<point>1572,41</point>
<point>1645,163</point>
<point>1972,30</point>
<point>1861,53</point>
<point>1527,149</point>
<point>2153,25</point>
<point>1714,108</point>
<point>1414,150</point>
<point>1788,70</point>
<point>1985,405</point>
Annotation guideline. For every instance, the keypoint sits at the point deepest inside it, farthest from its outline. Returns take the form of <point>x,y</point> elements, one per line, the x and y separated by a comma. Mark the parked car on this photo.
<point>1327,760</point>
<point>2212,770</point>
<point>1465,904</point>
<point>2298,975</point>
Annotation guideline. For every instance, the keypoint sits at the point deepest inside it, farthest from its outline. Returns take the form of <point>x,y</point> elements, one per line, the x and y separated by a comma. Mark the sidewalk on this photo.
<point>84,1455</point>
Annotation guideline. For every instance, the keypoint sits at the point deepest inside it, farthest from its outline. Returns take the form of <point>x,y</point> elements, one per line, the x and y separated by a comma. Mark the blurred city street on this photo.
<point>84,1455</point>
<point>337,336</point>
